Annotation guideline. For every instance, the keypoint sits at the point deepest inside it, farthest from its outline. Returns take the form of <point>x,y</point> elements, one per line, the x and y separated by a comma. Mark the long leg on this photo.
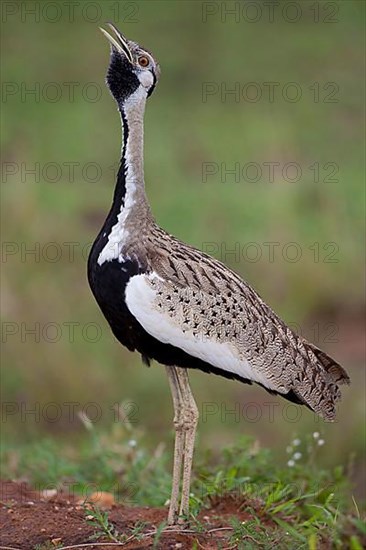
<point>173,378</point>
<point>190,419</point>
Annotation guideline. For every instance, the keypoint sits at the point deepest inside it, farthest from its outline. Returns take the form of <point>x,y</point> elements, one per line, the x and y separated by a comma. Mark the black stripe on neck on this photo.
<point>120,190</point>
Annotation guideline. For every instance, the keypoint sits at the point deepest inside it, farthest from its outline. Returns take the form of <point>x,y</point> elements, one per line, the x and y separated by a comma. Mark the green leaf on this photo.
<point>355,543</point>
<point>312,542</point>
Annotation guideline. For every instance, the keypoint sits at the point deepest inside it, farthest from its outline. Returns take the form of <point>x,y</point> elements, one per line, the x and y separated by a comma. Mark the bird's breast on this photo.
<point>108,284</point>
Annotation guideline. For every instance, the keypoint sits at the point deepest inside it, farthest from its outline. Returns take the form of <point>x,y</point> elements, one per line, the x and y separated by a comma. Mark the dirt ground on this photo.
<point>29,518</point>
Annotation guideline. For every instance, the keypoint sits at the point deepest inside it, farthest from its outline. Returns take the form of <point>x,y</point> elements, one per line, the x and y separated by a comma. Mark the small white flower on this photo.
<point>289,449</point>
<point>316,435</point>
<point>297,456</point>
<point>321,442</point>
<point>296,442</point>
<point>132,443</point>
<point>291,463</point>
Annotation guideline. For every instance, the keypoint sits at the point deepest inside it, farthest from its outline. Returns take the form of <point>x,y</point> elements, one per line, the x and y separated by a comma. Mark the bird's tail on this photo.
<point>319,387</point>
<point>333,369</point>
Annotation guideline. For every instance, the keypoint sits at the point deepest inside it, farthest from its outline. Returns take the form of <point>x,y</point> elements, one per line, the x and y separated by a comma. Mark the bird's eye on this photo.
<point>143,61</point>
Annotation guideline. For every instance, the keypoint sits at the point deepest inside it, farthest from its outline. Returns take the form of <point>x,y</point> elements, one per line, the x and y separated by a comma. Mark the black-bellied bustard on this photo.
<point>174,304</point>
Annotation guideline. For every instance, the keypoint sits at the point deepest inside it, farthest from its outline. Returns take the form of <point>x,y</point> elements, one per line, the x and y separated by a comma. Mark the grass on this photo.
<point>99,519</point>
<point>285,504</point>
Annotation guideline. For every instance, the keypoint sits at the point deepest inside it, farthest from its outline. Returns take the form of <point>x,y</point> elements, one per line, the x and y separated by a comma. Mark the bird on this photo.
<point>176,305</point>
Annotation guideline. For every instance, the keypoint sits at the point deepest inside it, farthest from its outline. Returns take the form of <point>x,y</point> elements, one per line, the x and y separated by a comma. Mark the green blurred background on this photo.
<point>196,43</point>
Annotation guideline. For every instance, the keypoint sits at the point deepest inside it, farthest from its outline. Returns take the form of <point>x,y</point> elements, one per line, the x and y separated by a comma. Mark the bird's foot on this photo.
<point>177,521</point>
<point>183,522</point>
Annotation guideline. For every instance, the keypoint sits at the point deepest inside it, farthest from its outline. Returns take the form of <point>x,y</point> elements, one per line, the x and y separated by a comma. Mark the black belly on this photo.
<point>108,284</point>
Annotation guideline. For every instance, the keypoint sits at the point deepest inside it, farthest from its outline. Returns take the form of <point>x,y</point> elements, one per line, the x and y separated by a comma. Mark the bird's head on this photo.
<point>131,67</point>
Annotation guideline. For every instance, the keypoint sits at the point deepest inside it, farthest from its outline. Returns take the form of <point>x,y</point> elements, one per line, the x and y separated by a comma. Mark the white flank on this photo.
<point>119,234</point>
<point>140,298</point>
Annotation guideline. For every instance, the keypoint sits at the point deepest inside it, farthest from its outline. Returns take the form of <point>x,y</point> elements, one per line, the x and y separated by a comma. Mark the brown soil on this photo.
<point>29,518</point>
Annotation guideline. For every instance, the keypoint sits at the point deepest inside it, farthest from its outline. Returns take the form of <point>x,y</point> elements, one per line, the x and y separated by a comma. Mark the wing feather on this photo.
<point>161,308</point>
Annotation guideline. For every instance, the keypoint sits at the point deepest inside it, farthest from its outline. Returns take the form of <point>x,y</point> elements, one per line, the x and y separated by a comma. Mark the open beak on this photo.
<point>119,42</point>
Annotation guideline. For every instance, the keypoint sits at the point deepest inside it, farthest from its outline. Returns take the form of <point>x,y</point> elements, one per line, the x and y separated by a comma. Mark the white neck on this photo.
<point>133,111</point>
